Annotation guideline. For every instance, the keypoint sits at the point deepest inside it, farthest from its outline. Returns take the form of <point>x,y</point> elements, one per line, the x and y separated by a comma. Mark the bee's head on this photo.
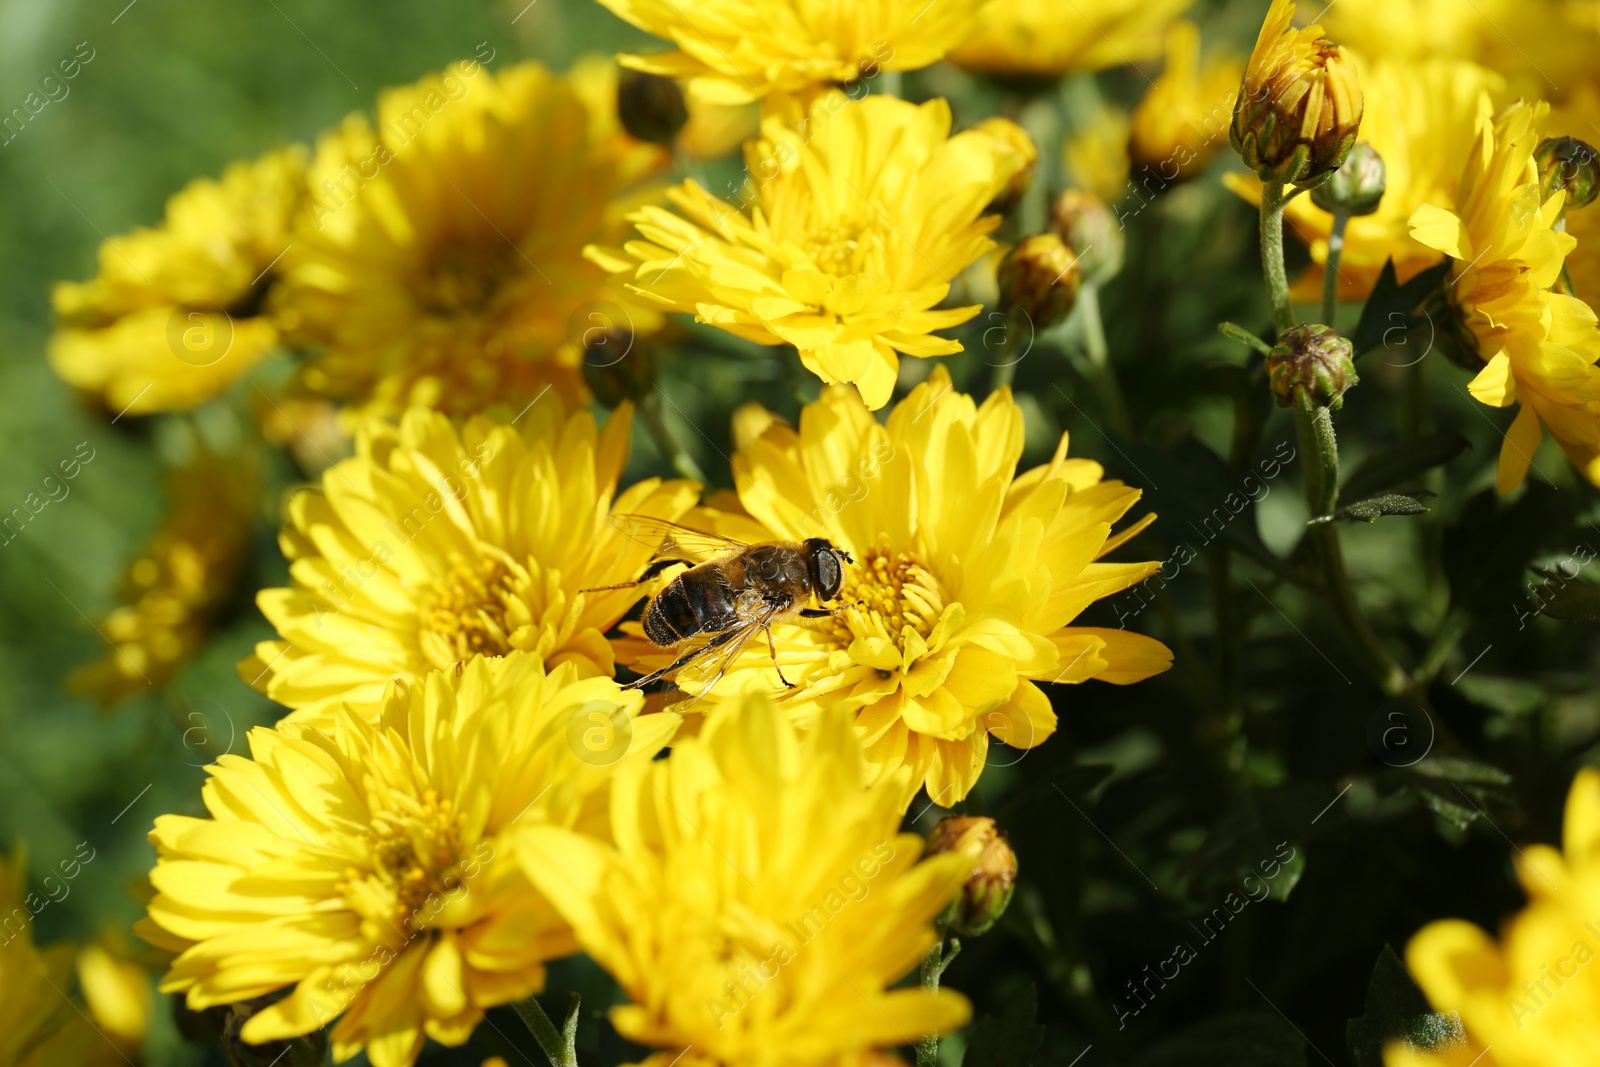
<point>827,566</point>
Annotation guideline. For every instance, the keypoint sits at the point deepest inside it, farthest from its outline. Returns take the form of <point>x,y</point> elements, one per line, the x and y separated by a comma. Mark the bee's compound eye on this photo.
<point>829,576</point>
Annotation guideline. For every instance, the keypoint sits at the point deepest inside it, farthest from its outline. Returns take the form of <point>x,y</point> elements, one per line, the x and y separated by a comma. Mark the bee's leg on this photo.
<point>716,642</point>
<point>826,613</point>
<point>773,648</point>
<point>650,572</point>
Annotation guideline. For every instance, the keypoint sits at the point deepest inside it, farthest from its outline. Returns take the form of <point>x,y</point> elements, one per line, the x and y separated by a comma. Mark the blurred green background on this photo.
<point>176,90</point>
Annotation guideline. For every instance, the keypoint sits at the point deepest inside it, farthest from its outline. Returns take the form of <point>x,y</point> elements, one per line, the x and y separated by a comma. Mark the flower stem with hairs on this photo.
<point>560,1046</point>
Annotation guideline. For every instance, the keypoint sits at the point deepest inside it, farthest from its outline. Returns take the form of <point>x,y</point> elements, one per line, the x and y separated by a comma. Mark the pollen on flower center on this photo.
<point>464,613</point>
<point>417,855</point>
<point>886,592</point>
<point>834,248</point>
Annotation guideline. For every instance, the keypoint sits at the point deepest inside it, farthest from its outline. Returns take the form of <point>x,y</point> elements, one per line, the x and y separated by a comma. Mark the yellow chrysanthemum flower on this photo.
<point>1530,999</point>
<point>1421,117</point>
<point>966,578</point>
<point>863,215</point>
<point>173,591</point>
<point>432,545</point>
<point>1184,117</point>
<point>748,929</point>
<point>1539,348</point>
<point>117,991</point>
<point>1049,38</point>
<point>371,867</point>
<point>40,1025</point>
<point>439,259</point>
<point>735,51</point>
<point>178,313</point>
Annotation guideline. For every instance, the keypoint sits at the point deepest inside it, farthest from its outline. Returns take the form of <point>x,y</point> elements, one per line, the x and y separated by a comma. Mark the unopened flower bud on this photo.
<point>994,871</point>
<point>1039,278</point>
<point>1014,137</point>
<point>1300,104</point>
<point>650,106</point>
<point>617,366</point>
<point>1357,186</point>
<point>1085,223</point>
<point>1310,368</point>
<point>1570,164</point>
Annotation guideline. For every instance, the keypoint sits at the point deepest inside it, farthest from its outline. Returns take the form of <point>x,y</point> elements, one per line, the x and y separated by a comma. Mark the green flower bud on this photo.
<point>988,891</point>
<point>1040,278</point>
<point>1084,222</point>
<point>1310,368</point>
<point>1570,164</point>
<point>651,107</point>
<point>1357,186</point>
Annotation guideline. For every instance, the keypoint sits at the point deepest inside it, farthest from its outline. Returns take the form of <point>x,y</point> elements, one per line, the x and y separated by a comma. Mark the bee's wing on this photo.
<point>669,540</point>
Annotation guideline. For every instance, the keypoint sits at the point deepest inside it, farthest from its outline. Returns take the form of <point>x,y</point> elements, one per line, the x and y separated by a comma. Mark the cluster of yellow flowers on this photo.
<point>461,790</point>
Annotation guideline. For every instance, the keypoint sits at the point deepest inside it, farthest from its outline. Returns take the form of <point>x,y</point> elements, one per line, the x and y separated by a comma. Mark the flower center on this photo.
<point>464,613</point>
<point>834,247</point>
<point>886,592</point>
<point>464,276</point>
<point>417,855</point>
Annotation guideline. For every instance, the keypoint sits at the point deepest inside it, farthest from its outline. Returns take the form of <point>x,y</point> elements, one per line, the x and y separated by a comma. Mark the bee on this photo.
<point>729,591</point>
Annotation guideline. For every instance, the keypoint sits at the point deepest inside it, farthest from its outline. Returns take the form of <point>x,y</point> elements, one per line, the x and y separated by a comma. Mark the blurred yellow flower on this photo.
<point>863,214</point>
<point>173,591</point>
<point>370,867</point>
<point>735,51</point>
<point>748,929</point>
<point>967,577</point>
<point>1421,117</point>
<point>1096,155</point>
<point>433,545</point>
<point>1539,348</point>
<point>118,993</point>
<point>1529,999</point>
<point>439,259</point>
<point>177,313</point>
<point>1184,117</point>
<point>1048,38</point>
<point>40,1026</point>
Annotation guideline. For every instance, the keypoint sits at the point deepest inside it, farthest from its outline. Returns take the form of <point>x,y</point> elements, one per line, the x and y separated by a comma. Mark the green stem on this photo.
<point>1451,631</point>
<point>558,1045</point>
<point>1094,344</point>
<point>933,968</point>
<point>1005,369</point>
<point>1038,118</point>
<point>681,461</point>
<point>1320,450</point>
<point>1330,272</point>
<point>1272,201</point>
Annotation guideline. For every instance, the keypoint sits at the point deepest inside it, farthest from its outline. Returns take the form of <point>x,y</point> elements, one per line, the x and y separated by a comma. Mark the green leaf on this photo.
<point>1509,696</point>
<point>1245,1040</point>
<point>1464,771</point>
<point>1257,842</point>
<point>1395,1008</point>
<point>1567,599</point>
<point>1012,1039</point>
<point>1374,508</point>
<point>1458,815</point>
<point>1389,314</point>
<point>1402,463</point>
